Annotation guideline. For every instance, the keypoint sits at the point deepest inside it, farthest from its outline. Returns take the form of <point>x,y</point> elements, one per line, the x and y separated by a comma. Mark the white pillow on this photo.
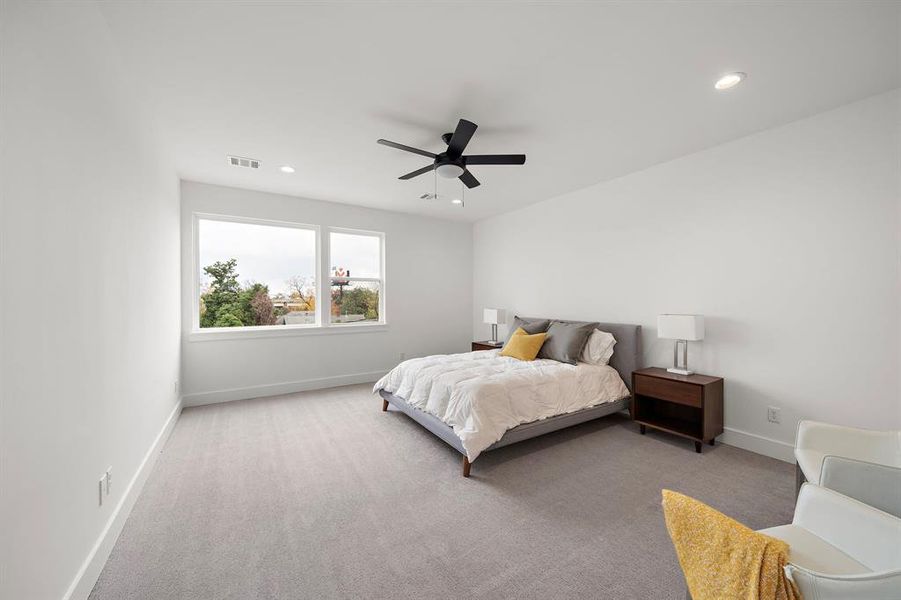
<point>599,348</point>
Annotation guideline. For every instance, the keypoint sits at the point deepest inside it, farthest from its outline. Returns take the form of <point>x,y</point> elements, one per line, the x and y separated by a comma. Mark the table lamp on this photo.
<point>683,329</point>
<point>494,316</point>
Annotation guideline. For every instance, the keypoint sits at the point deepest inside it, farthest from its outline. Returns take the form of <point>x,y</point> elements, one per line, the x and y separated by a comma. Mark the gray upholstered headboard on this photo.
<point>627,355</point>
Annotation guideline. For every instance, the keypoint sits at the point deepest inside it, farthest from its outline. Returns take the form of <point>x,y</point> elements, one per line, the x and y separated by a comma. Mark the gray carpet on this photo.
<point>322,495</point>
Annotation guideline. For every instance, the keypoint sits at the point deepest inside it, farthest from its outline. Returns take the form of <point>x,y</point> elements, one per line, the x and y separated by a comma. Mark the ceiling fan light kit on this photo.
<point>451,163</point>
<point>450,171</point>
<point>455,198</point>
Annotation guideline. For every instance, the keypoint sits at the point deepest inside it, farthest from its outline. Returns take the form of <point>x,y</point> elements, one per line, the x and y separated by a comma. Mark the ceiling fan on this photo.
<point>451,163</point>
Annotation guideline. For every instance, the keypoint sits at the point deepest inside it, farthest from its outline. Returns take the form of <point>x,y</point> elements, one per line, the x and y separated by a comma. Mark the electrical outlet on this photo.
<point>100,490</point>
<point>109,479</point>
<point>772,414</point>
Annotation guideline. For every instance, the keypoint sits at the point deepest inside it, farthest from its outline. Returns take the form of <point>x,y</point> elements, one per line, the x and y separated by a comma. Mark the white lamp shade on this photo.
<point>680,327</point>
<point>494,316</point>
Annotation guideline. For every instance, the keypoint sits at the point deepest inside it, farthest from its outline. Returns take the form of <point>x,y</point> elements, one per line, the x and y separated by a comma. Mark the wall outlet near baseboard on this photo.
<point>772,414</point>
<point>109,479</point>
<point>100,486</point>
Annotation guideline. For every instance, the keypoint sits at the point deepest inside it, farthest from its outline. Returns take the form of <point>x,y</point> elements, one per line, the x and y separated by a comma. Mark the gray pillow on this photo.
<point>565,341</point>
<point>530,326</point>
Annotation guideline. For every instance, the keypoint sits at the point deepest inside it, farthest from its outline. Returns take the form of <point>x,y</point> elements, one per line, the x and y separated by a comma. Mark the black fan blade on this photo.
<point>417,172</point>
<point>469,179</point>
<point>407,148</point>
<point>495,159</point>
<point>461,137</point>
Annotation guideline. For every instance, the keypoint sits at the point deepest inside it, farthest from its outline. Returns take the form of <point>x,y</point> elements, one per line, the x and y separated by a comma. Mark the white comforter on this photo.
<point>482,394</point>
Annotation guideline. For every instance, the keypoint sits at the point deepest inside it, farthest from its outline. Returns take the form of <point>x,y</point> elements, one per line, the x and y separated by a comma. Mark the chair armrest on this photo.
<point>864,533</point>
<point>820,586</point>
<point>851,442</point>
<point>876,485</point>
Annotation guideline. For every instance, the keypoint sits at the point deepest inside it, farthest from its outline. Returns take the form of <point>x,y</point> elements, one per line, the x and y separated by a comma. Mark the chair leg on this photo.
<point>466,466</point>
<point>384,405</point>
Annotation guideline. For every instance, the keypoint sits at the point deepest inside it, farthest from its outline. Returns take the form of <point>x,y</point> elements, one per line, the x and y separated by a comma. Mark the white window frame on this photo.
<point>327,281</point>
<point>322,326</point>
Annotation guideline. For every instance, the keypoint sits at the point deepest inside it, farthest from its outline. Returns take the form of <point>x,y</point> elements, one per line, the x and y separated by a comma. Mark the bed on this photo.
<point>404,379</point>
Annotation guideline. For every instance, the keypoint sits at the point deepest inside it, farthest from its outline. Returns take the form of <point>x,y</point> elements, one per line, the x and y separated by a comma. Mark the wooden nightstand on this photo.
<point>486,345</point>
<point>686,405</point>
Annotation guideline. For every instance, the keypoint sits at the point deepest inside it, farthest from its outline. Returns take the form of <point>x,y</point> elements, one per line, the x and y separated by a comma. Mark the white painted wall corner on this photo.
<point>90,570</point>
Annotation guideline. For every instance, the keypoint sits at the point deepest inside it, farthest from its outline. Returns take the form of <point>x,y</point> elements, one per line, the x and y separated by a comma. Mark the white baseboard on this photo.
<point>275,389</point>
<point>751,442</point>
<point>758,444</point>
<point>90,570</point>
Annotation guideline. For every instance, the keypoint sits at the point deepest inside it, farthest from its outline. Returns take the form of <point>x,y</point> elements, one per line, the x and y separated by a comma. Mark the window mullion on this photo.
<point>325,281</point>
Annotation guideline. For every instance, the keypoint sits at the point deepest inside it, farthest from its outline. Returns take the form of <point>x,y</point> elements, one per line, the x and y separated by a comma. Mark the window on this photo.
<point>259,278</point>
<point>255,273</point>
<point>356,277</point>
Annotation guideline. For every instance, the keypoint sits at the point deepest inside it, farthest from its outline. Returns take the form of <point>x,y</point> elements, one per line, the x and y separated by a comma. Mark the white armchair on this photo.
<point>841,548</point>
<point>876,485</point>
<point>815,441</point>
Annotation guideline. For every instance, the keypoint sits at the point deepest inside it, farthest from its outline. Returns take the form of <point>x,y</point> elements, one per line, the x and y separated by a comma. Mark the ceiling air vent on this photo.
<point>247,163</point>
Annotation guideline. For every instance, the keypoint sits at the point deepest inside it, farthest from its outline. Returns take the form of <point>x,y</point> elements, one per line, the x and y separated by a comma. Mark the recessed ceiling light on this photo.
<point>456,201</point>
<point>286,169</point>
<point>729,80</point>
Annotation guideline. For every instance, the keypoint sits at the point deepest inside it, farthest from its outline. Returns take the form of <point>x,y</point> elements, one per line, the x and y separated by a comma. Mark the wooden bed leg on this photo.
<point>466,466</point>
<point>384,405</point>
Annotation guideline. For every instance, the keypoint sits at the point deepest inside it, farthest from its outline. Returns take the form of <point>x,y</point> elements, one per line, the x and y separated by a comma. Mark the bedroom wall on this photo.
<point>428,302</point>
<point>787,241</point>
<point>90,288</point>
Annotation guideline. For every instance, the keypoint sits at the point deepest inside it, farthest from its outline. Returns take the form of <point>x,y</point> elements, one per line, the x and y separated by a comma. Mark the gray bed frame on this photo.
<point>627,357</point>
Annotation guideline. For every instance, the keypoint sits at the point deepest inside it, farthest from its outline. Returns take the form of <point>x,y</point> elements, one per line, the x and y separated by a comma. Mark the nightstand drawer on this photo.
<point>673,391</point>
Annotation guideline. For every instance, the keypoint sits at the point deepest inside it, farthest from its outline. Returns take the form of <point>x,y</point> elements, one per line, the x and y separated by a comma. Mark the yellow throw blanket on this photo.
<point>721,558</point>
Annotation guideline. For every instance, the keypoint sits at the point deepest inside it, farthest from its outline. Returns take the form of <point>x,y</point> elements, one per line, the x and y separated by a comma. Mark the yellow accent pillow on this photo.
<point>523,346</point>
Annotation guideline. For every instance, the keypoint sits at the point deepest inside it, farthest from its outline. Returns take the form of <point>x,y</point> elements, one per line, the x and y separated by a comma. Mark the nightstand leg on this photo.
<point>384,405</point>
<point>712,442</point>
<point>698,447</point>
<point>642,429</point>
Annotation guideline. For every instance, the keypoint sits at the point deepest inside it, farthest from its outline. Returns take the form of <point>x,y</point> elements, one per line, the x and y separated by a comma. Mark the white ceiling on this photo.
<point>588,91</point>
